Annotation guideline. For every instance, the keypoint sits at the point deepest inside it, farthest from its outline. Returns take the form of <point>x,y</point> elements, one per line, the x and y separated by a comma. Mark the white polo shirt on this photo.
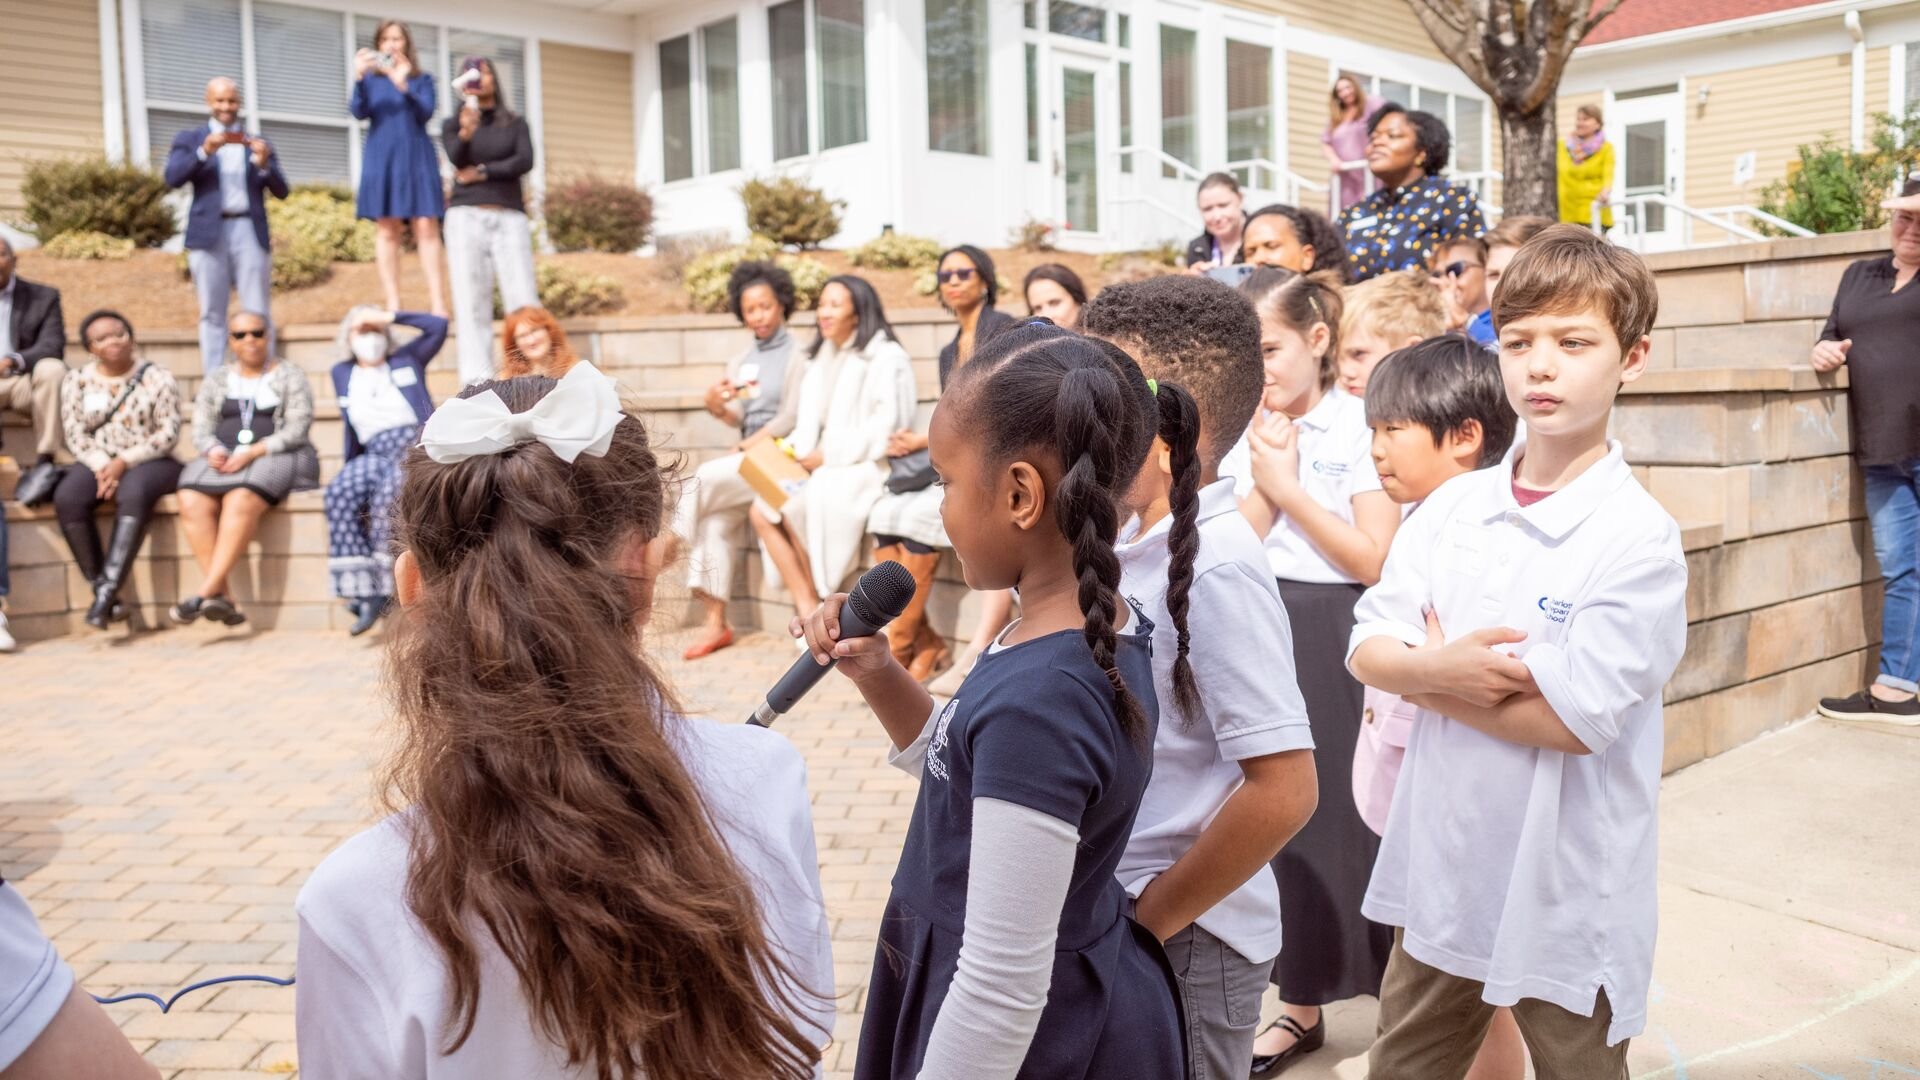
<point>1532,870</point>
<point>1241,648</point>
<point>34,981</point>
<point>1336,463</point>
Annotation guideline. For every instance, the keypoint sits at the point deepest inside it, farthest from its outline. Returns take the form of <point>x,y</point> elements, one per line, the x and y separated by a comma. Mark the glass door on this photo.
<point>1077,140</point>
<point>1649,157</point>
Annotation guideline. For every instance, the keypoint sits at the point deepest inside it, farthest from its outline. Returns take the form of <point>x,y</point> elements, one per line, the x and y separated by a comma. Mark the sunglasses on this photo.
<point>1456,269</point>
<point>961,274</point>
<point>241,335</point>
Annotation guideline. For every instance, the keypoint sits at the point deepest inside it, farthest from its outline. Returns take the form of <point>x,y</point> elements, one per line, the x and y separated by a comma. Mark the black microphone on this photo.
<point>880,595</point>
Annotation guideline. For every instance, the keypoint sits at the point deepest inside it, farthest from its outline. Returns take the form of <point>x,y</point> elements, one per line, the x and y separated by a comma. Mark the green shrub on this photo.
<point>588,213</point>
<point>789,213</point>
<point>568,291</point>
<point>340,193</point>
<point>705,277</point>
<point>1836,189</point>
<point>86,244</point>
<point>64,195</point>
<point>896,251</point>
<point>1033,235</point>
<point>1166,254</point>
<point>299,261</point>
<point>317,219</point>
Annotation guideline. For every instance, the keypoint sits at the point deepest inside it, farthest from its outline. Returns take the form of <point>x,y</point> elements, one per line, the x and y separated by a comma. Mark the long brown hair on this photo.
<point>548,803</point>
<point>1338,113</point>
<point>405,31</point>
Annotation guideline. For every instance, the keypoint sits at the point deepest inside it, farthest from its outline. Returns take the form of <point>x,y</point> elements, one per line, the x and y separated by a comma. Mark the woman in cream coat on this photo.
<point>857,391</point>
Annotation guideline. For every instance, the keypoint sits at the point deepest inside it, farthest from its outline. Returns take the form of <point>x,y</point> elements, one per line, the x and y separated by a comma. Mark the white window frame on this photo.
<point>695,34</point>
<point>1487,112</point>
<point>816,120</point>
<point>1242,33</point>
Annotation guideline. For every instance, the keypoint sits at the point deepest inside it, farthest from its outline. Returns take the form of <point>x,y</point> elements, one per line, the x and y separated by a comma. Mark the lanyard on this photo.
<point>248,405</point>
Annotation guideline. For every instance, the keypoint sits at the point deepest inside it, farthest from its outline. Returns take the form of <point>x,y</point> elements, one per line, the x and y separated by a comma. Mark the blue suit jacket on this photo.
<point>415,354</point>
<point>203,219</point>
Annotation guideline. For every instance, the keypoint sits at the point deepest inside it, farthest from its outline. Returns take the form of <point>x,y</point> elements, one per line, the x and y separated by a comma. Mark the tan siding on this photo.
<point>1879,72</point>
<point>587,110</point>
<point>1306,117</point>
<point>1802,102</point>
<point>50,50</point>
<point>1388,24</point>
<point>1496,158</point>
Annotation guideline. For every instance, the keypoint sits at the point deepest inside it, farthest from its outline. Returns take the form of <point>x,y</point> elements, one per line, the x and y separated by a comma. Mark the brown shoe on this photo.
<point>904,633</point>
<point>931,655</point>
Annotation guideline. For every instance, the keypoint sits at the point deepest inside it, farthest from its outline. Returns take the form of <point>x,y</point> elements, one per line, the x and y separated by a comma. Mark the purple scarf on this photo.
<point>1580,150</point>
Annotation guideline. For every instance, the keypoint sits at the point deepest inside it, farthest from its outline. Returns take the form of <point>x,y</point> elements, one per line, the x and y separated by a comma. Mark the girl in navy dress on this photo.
<point>1006,950</point>
<point>399,168</point>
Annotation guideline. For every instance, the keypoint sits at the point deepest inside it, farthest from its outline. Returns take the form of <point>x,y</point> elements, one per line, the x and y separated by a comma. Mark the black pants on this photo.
<point>140,488</point>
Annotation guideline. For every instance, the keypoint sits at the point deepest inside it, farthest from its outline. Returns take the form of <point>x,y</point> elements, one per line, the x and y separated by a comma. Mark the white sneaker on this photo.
<point>7,644</point>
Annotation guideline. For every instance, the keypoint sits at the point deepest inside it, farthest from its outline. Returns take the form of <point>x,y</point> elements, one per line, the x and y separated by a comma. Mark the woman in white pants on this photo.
<point>487,234</point>
<point>760,395</point>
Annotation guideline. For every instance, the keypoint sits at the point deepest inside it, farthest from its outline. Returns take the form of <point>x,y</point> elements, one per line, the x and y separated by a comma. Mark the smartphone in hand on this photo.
<point>1231,275</point>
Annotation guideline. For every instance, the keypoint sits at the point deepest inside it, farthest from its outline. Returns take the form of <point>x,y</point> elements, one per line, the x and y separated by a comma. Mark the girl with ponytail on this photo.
<point>577,881</point>
<point>1006,949</point>
<point>1233,763</point>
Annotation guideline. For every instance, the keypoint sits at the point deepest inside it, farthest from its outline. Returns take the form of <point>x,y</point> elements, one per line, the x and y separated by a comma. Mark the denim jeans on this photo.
<point>1893,510</point>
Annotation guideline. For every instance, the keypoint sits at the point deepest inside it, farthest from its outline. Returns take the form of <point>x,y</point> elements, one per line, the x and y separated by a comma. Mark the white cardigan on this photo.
<point>850,403</point>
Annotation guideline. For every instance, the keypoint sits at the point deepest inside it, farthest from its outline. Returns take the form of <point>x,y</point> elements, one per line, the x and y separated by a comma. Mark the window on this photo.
<point>676,104</point>
<point>957,76</point>
<point>1176,96</point>
<point>1124,30</point>
<point>787,49</point>
<point>1397,92</point>
<point>720,48</point>
<point>1029,18</point>
<point>1126,113</point>
<point>840,34</point>
<point>1033,102</point>
<point>1913,74</point>
<point>1077,20</point>
<point>1469,135</point>
<point>509,56</point>
<point>1250,110</point>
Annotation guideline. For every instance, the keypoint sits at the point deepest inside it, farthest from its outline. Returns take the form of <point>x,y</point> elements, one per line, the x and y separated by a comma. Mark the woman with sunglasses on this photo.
<point>1459,270</point>
<point>121,415</point>
<point>250,424</point>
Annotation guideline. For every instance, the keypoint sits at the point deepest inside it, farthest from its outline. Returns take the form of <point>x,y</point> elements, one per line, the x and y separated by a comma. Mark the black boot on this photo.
<point>37,483</point>
<point>128,531</point>
<point>84,541</point>
<point>370,611</point>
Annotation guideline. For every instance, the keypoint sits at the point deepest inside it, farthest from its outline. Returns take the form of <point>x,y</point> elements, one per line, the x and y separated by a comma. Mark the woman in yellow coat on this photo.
<point>1586,170</point>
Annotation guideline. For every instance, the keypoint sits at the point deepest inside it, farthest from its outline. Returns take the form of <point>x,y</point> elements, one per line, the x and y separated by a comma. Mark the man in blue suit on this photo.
<point>227,242</point>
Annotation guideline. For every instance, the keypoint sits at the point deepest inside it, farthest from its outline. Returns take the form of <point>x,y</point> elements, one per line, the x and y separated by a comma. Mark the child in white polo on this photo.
<point>1519,857</point>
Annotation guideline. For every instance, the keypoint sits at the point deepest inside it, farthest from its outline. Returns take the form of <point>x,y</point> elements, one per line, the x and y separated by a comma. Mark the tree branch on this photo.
<point>1446,24</point>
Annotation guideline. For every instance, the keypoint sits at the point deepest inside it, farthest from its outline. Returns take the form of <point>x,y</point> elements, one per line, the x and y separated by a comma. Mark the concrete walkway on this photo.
<point>163,797</point>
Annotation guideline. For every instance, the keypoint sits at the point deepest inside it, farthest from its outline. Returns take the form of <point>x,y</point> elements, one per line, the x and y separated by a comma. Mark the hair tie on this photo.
<point>1113,677</point>
<point>576,417</point>
<point>1153,386</point>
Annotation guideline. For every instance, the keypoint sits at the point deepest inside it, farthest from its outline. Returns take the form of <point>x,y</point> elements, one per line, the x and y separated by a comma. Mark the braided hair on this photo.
<point>1038,387</point>
<point>1180,430</point>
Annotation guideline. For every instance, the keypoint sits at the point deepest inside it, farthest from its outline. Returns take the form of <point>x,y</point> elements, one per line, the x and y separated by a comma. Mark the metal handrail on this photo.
<point>1164,158</point>
<point>1184,220</point>
<point>1719,217</point>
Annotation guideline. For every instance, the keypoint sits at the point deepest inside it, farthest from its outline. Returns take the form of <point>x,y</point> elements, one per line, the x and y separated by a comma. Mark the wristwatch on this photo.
<point>483,170</point>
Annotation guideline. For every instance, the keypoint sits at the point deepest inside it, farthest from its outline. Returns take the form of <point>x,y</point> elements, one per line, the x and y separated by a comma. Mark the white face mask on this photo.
<point>369,348</point>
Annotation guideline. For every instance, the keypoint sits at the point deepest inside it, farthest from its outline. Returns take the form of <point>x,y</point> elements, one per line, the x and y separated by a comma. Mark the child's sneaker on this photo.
<point>1864,706</point>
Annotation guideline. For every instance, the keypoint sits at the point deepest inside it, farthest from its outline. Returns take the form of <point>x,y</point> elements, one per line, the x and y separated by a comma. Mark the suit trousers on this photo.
<point>36,394</point>
<point>236,263</point>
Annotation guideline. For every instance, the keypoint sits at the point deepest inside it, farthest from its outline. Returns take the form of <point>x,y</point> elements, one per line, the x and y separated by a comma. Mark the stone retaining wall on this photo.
<point>1746,446</point>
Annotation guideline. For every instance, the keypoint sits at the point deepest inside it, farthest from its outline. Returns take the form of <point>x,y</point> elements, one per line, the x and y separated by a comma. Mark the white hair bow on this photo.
<point>576,417</point>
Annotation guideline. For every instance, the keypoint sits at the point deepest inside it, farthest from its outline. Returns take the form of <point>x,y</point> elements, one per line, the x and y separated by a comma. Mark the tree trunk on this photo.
<point>1530,169</point>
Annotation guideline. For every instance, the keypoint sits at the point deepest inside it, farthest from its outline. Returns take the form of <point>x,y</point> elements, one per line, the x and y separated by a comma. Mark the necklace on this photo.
<point>250,388</point>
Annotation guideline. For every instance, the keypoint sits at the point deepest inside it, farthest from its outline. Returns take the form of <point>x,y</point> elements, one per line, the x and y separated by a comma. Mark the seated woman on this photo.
<point>1293,239</point>
<point>382,389</point>
<point>532,343</point>
<point>250,425</point>
<point>122,417</point>
<point>759,395</point>
<point>856,393</point>
<point>578,880</point>
<point>905,522</point>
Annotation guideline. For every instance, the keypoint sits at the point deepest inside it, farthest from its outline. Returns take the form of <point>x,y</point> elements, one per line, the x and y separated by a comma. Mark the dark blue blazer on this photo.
<point>203,219</point>
<point>415,354</point>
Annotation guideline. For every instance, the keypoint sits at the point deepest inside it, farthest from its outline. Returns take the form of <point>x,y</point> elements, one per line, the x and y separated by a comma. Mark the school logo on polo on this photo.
<point>937,746</point>
<point>1556,611</point>
<point>1330,468</point>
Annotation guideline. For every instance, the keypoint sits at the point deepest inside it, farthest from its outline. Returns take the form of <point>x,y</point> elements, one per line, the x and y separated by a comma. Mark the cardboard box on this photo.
<point>771,474</point>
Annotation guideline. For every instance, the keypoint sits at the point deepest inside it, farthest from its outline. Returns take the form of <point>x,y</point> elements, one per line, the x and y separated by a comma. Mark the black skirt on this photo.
<point>1329,951</point>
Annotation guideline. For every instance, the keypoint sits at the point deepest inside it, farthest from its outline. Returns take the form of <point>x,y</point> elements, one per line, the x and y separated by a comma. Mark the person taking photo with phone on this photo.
<point>488,239</point>
<point>399,170</point>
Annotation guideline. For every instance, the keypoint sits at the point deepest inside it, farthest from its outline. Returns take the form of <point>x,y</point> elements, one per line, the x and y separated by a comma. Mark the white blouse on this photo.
<point>374,401</point>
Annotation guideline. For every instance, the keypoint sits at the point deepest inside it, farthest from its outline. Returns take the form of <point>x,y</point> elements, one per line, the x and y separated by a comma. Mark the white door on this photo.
<point>1648,154</point>
<point>1079,141</point>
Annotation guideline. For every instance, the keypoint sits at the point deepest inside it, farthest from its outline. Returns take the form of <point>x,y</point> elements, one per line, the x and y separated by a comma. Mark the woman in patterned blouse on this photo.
<point>122,417</point>
<point>1416,209</point>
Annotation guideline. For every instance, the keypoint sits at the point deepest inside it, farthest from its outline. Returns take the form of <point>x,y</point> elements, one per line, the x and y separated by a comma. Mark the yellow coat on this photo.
<point>1580,184</point>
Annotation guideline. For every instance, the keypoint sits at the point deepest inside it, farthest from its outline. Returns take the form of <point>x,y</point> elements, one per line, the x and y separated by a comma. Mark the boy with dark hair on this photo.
<point>1520,851</point>
<point>1234,779</point>
<point>1446,389</point>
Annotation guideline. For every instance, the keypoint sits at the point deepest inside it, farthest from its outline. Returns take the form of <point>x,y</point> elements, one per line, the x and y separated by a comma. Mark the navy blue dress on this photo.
<point>1033,725</point>
<point>399,168</point>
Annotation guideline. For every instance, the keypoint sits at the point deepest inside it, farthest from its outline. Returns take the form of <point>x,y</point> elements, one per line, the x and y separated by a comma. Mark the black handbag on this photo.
<point>910,472</point>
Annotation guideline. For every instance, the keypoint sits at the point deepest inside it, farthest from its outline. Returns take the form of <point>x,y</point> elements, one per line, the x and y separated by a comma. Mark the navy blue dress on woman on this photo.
<point>1033,724</point>
<point>399,168</point>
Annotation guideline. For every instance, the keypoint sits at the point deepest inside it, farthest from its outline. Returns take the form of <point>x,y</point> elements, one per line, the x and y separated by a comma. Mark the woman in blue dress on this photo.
<point>399,168</point>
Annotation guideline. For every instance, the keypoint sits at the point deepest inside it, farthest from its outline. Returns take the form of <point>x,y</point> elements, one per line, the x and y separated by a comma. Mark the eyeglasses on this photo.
<point>239,335</point>
<point>961,274</point>
<point>1456,269</point>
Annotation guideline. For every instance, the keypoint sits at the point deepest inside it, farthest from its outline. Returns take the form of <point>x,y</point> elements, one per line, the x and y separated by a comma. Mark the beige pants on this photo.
<point>37,395</point>
<point>1432,1023</point>
<point>712,519</point>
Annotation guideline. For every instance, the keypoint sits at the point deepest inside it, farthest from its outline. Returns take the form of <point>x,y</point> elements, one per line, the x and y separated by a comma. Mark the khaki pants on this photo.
<point>37,394</point>
<point>1432,1023</point>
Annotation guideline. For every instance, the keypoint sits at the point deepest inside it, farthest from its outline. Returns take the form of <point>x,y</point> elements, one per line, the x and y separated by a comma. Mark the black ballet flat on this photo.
<point>1306,1041</point>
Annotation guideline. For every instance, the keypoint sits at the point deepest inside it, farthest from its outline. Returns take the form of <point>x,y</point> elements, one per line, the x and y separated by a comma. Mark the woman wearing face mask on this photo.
<point>121,415</point>
<point>1223,212</point>
<point>382,390</point>
<point>1416,209</point>
<point>250,425</point>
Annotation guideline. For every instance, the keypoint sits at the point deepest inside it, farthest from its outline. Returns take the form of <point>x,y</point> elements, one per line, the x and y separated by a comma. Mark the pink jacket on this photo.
<point>1385,726</point>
